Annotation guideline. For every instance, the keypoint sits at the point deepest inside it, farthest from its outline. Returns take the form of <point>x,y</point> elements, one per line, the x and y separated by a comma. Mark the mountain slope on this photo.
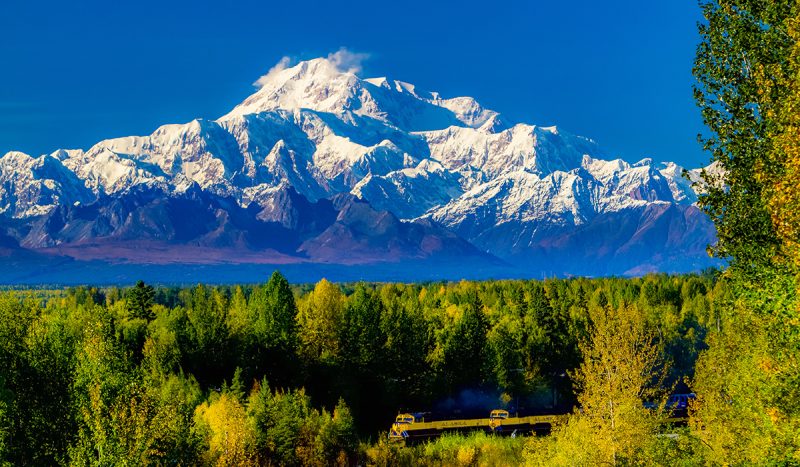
<point>322,166</point>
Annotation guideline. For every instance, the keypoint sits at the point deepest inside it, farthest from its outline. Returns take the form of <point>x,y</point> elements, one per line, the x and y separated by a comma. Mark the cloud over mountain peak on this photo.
<point>343,60</point>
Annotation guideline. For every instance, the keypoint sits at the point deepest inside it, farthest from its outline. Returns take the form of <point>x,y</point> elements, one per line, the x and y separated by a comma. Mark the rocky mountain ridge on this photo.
<point>322,166</point>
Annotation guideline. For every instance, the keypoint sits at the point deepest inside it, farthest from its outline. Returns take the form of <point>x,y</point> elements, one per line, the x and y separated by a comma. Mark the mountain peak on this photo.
<point>330,85</point>
<point>16,156</point>
<point>381,82</point>
<point>317,84</point>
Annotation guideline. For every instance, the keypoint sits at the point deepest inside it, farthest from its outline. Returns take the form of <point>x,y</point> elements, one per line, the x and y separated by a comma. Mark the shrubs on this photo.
<point>477,449</point>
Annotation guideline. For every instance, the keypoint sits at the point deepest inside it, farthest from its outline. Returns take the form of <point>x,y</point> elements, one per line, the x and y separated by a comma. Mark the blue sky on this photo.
<point>618,71</point>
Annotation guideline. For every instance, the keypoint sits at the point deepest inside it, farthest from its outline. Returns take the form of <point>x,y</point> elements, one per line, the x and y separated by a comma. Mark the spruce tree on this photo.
<point>139,301</point>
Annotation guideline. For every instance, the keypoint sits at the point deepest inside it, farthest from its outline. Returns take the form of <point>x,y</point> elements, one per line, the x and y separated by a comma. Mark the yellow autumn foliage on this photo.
<point>781,172</point>
<point>320,318</point>
<point>224,426</point>
<point>621,369</point>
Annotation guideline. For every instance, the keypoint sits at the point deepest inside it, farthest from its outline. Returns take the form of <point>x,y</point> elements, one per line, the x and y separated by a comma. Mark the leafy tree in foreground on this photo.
<point>622,368</point>
<point>740,40</point>
<point>229,438</point>
<point>748,408</point>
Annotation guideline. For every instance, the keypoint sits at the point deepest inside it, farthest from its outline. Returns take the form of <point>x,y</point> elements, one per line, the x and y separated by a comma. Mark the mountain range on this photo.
<point>321,172</point>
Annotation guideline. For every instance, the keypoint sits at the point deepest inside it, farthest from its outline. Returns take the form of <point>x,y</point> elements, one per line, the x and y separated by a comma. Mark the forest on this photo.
<point>313,375</point>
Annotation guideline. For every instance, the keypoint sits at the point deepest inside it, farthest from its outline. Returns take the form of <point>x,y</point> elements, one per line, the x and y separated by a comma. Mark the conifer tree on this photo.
<point>139,301</point>
<point>282,311</point>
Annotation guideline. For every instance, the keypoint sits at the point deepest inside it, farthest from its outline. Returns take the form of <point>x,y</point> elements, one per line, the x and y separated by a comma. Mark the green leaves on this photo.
<point>746,68</point>
<point>362,337</point>
<point>741,40</point>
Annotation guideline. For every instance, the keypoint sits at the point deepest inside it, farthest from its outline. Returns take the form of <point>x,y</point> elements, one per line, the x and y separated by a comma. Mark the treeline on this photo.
<point>275,374</point>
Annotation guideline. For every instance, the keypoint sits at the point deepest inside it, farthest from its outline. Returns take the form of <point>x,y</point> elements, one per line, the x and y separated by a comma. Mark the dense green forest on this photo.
<point>306,375</point>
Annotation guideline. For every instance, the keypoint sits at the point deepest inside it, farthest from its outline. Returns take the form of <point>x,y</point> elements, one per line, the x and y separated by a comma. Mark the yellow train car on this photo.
<point>411,427</point>
<point>501,422</point>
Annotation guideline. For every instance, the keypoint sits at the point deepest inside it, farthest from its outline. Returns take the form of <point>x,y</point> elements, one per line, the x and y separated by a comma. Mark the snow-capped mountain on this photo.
<point>320,165</point>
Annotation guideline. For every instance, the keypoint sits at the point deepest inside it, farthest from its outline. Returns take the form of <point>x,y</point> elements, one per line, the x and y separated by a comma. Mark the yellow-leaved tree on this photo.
<point>320,318</point>
<point>783,189</point>
<point>748,405</point>
<point>622,369</point>
<point>228,435</point>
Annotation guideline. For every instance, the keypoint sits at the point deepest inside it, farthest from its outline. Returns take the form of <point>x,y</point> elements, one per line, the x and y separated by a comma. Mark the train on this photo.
<point>410,427</point>
<point>413,427</point>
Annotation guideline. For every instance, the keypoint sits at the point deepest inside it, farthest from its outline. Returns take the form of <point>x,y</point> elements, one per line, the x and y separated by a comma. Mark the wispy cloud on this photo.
<point>347,60</point>
<point>283,64</point>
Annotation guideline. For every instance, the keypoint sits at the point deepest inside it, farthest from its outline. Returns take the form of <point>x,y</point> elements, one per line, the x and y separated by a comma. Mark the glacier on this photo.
<point>322,167</point>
